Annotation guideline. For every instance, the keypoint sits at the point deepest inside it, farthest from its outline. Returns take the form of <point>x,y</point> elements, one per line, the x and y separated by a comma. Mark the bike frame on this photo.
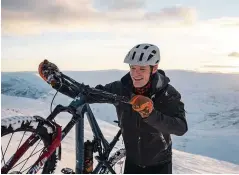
<point>78,108</point>
<point>84,108</point>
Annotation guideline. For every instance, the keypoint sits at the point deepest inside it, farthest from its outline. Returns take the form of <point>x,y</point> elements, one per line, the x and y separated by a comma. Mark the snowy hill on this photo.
<point>182,162</point>
<point>211,101</point>
<point>24,84</point>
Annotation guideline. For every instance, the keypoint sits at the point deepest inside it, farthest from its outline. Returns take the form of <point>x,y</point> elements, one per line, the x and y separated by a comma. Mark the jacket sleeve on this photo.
<point>168,115</point>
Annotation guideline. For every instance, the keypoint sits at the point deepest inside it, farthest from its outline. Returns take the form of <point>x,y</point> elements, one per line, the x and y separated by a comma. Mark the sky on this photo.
<point>97,34</point>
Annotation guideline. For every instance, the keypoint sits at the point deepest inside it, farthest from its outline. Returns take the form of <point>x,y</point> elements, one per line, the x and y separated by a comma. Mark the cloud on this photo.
<point>26,17</point>
<point>47,11</point>
<point>112,5</point>
<point>186,14</point>
<point>35,16</point>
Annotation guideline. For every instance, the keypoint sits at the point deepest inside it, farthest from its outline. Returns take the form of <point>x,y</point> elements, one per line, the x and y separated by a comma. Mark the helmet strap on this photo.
<point>151,71</point>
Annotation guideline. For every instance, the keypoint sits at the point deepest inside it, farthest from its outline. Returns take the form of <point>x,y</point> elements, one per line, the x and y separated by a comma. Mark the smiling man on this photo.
<point>156,111</point>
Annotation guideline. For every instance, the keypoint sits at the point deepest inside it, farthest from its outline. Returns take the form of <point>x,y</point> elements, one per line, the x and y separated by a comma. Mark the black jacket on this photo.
<point>147,141</point>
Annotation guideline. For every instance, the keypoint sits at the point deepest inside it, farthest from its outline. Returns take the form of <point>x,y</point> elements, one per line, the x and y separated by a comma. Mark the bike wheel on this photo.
<point>14,130</point>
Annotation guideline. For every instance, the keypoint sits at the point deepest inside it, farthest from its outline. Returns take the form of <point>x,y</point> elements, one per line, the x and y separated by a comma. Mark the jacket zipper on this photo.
<point>139,140</point>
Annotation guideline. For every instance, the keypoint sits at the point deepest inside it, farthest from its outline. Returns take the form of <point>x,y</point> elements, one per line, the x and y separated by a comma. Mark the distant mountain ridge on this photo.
<point>30,85</point>
<point>23,84</point>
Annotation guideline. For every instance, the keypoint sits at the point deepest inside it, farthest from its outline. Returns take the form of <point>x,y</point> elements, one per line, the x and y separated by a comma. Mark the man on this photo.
<point>156,111</point>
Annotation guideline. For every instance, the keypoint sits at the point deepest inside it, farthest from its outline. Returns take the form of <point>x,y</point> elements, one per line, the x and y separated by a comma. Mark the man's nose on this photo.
<point>137,71</point>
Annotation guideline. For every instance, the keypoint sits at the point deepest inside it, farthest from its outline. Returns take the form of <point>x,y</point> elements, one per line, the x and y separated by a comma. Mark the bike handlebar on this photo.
<point>105,96</point>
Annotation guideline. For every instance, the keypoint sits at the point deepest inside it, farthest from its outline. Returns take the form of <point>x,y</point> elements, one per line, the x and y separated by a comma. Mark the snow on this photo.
<point>16,121</point>
<point>211,101</point>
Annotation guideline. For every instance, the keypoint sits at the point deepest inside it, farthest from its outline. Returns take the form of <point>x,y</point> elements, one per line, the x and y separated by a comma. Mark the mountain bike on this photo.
<point>38,129</point>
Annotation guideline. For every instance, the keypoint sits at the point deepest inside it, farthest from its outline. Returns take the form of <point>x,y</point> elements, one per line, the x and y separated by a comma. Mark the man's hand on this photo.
<point>46,70</point>
<point>142,104</point>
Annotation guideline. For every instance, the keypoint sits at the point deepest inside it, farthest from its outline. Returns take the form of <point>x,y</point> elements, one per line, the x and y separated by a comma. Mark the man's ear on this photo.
<point>155,68</point>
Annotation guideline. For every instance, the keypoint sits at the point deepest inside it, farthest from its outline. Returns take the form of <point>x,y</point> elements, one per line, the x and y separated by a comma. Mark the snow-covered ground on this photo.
<point>182,162</point>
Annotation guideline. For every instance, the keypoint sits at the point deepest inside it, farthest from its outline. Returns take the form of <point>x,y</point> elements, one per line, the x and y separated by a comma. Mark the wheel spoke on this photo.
<point>8,145</point>
<point>38,157</point>
<point>3,157</point>
<point>21,139</point>
<point>27,158</point>
<point>29,168</point>
<point>24,144</point>
<point>30,155</point>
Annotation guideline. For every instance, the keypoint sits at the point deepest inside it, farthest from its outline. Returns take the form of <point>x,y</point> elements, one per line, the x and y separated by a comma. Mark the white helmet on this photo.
<point>143,55</point>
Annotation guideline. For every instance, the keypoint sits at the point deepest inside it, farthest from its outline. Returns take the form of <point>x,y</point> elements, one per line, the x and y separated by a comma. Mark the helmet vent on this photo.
<point>133,56</point>
<point>150,56</point>
<point>154,51</point>
<point>141,56</point>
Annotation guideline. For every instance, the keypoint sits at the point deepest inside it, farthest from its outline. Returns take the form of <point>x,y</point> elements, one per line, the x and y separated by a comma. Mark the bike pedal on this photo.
<point>67,171</point>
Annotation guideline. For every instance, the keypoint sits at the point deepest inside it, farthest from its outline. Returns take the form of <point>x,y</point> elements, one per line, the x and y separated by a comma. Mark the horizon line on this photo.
<point>183,70</point>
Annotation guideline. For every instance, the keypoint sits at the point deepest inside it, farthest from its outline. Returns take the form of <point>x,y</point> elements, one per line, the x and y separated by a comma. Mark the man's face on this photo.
<point>140,75</point>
